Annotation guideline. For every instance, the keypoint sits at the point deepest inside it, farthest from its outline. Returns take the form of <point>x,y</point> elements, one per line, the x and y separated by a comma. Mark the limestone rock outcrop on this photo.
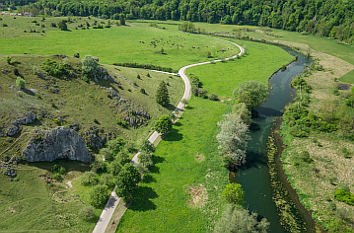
<point>59,143</point>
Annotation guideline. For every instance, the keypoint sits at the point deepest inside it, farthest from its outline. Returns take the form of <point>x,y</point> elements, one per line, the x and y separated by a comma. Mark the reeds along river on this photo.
<point>254,175</point>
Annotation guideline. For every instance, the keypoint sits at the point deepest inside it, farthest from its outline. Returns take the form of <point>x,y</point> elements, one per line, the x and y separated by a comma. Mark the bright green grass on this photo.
<point>222,78</point>
<point>164,204</point>
<point>348,78</point>
<point>124,44</point>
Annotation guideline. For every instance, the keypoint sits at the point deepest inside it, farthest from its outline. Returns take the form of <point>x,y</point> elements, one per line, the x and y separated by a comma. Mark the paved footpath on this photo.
<point>113,200</point>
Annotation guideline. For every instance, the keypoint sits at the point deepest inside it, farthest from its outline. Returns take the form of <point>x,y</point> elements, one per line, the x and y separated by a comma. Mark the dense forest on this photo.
<point>333,18</point>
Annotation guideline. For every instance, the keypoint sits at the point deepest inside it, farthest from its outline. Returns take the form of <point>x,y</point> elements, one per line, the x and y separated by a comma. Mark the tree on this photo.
<point>98,196</point>
<point>89,178</point>
<point>116,145</point>
<point>232,140</point>
<point>122,19</point>
<point>90,67</point>
<point>235,219</point>
<point>147,146</point>
<point>252,93</point>
<point>145,159</point>
<point>242,110</point>
<point>163,125</point>
<point>62,25</point>
<point>162,96</point>
<point>20,83</point>
<point>127,182</point>
<point>233,194</point>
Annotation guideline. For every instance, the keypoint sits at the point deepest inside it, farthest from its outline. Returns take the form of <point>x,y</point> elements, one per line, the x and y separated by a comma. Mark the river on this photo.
<point>254,176</point>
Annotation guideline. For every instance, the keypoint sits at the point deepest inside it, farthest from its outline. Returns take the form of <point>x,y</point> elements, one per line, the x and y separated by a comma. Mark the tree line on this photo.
<point>323,17</point>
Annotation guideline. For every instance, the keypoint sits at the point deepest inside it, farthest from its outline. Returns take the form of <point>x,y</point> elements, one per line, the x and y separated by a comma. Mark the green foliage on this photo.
<point>98,166</point>
<point>108,180</point>
<point>244,113</point>
<point>200,92</point>
<point>9,60</point>
<point>127,182</point>
<point>56,69</point>
<point>344,196</point>
<point>89,178</point>
<point>213,97</point>
<point>98,195</point>
<point>162,96</point>
<point>233,194</point>
<point>122,123</point>
<point>58,172</point>
<point>251,93</point>
<point>88,213</point>
<point>147,146</point>
<point>146,66</point>
<point>116,145</point>
<point>122,19</point>
<point>235,219</point>
<point>163,124</point>
<point>62,25</point>
<point>20,83</point>
<point>90,67</point>
<point>145,160</point>
<point>188,27</point>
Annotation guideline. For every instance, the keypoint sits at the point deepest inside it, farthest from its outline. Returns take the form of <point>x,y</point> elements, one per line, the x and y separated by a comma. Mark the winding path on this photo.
<point>113,200</point>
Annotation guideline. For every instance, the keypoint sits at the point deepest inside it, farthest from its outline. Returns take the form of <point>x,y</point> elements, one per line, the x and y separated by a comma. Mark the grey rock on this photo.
<point>13,131</point>
<point>35,91</point>
<point>30,118</point>
<point>59,143</point>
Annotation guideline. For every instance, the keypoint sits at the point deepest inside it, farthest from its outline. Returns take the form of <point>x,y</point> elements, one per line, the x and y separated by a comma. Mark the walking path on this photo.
<point>113,200</point>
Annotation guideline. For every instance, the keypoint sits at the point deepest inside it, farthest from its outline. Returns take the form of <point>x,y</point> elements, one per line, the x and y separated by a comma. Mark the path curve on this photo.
<point>113,200</point>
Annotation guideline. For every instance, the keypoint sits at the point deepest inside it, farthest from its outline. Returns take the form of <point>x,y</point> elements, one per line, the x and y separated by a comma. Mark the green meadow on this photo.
<point>187,160</point>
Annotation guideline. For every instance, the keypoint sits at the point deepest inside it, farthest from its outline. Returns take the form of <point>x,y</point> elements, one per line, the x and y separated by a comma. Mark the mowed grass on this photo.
<point>221,78</point>
<point>164,201</point>
<point>139,44</point>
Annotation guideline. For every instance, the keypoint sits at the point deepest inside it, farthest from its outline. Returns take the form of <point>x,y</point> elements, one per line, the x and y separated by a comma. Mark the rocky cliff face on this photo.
<point>59,143</point>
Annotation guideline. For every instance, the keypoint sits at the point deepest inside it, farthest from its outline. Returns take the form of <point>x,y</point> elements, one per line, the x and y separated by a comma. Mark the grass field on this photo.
<point>188,163</point>
<point>136,43</point>
<point>221,78</point>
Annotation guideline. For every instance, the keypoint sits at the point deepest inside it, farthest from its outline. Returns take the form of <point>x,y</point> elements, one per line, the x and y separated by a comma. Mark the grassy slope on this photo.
<point>168,208</point>
<point>123,44</point>
<point>30,203</point>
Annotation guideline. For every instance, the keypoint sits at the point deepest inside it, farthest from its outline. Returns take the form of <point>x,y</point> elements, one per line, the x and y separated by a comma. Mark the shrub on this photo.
<point>233,194</point>
<point>147,146</point>
<point>305,156</point>
<point>98,196</point>
<point>115,167</point>
<point>252,93</point>
<point>122,123</point>
<point>142,91</point>
<point>90,67</point>
<point>108,180</point>
<point>201,92</point>
<point>99,166</point>
<point>77,55</point>
<point>238,220</point>
<point>9,60</point>
<point>244,113</point>
<point>131,147</point>
<point>87,213</point>
<point>56,69</point>
<point>213,97</point>
<point>145,159</point>
<point>89,178</point>
<point>116,145</point>
<point>163,124</point>
<point>58,169</point>
<point>344,196</point>
<point>122,19</point>
<point>62,25</point>
<point>20,83</point>
<point>162,96</point>
<point>127,181</point>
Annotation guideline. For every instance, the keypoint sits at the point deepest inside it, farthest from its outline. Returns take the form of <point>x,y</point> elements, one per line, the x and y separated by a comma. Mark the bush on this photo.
<point>89,178</point>
<point>77,55</point>
<point>108,180</point>
<point>163,125</point>
<point>87,213</point>
<point>56,69</point>
<point>20,83</point>
<point>116,145</point>
<point>147,146</point>
<point>98,196</point>
<point>252,93</point>
<point>344,196</point>
<point>146,66</point>
<point>233,194</point>
<point>58,169</point>
<point>127,182</point>
<point>305,156</point>
<point>213,97</point>
<point>238,220</point>
<point>98,166</point>
<point>162,96</point>
<point>62,25</point>
<point>200,92</point>
<point>244,113</point>
<point>122,123</point>
<point>90,67</point>
<point>107,154</point>
<point>9,60</point>
<point>145,159</point>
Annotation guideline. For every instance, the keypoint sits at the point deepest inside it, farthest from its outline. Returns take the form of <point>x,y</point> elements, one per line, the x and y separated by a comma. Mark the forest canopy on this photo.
<point>332,18</point>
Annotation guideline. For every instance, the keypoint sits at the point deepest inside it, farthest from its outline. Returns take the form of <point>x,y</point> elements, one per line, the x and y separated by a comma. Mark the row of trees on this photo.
<point>323,17</point>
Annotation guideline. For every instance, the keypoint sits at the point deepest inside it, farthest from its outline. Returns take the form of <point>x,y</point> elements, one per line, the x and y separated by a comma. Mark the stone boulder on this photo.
<point>13,131</point>
<point>28,119</point>
<point>59,143</point>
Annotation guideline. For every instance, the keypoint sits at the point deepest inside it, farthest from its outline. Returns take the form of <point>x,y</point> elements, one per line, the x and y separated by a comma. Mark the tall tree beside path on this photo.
<point>162,96</point>
<point>127,181</point>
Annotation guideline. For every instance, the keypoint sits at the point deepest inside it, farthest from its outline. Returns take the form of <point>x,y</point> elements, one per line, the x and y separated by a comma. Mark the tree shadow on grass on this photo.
<point>173,135</point>
<point>156,160</point>
<point>141,200</point>
<point>148,179</point>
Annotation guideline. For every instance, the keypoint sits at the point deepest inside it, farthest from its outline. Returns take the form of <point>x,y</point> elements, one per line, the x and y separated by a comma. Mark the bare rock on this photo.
<point>13,131</point>
<point>28,119</point>
<point>59,143</point>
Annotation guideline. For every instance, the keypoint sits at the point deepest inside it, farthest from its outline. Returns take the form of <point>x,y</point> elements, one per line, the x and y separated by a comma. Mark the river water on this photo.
<point>254,176</point>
